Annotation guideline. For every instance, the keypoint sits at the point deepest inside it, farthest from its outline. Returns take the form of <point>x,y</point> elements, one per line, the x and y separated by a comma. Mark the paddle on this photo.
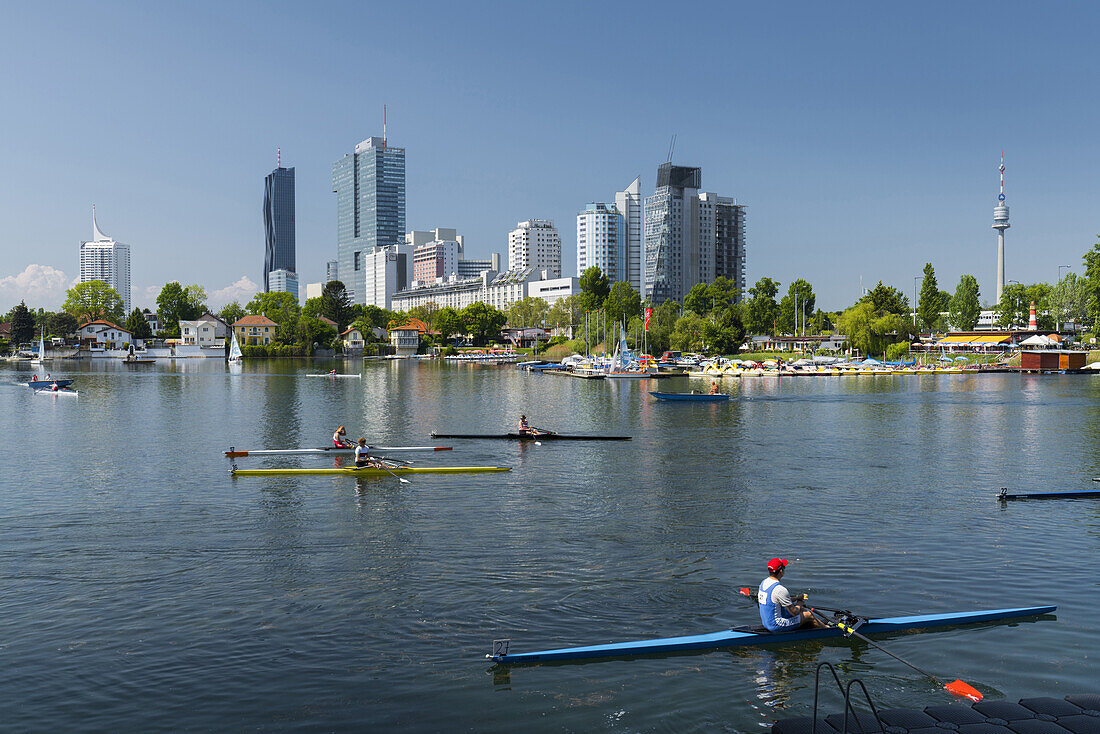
<point>382,465</point>
<point>956,687</point>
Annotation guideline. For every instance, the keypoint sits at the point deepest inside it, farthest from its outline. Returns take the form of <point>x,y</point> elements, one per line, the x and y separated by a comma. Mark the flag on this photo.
<point>648,313</point>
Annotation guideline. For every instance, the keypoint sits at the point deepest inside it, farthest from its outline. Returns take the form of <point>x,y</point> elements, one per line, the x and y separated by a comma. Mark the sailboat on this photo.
<point>235,352</point>
<point>623,364</point>
<point>41,356</point>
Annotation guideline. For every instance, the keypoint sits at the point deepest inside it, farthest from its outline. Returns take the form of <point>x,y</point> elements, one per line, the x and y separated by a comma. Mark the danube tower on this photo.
<point>1000,223</point>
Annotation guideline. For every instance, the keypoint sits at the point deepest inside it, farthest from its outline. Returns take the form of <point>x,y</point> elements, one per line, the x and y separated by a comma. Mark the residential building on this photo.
<point>100,334</point>
<point>314,290</point>
<point>332,272</point>
<point>279,228</point>
<point>405,340</point>
<point>103,258</point>
<point>435,260</point>
<point>601,241</point>
<point>690,237</point>
<point>352,338</point>
<point>283,281</point>
<point>206,331</point>
<point>499,290</point>
<point>151,319</point>
<point>471,268</point>
<point>383,272</point>
<point>535,244</point>
<point>629,204</point>
<point>254,330</point>
<point>370,213</point>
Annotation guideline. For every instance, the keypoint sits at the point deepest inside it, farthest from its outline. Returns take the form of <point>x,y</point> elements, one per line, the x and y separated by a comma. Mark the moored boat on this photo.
<point>373,471</point>
<point>741,636</point>
<point>691,396</point>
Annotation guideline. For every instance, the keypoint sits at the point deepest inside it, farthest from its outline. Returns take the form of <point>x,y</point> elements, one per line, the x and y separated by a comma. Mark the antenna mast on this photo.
<point>278,157</point>
<point>383,126</point>
<point>671,148</point>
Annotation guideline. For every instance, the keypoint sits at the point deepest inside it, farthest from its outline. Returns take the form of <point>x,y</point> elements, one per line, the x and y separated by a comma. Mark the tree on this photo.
<point>63,324</point>
<point>687,335</point>
<point>232,313</point>
<point>722,293</point>
<point>426,313</point>
<point>94,299</point>
<point>794,307</point>
<point>871,332</point>
<point>482,322</point>
<point>696,299</point>
<point>137,325</point>
<point>196,296</point>
<point>886,299</point>
<point>376,316</point>
<point>661,324</point>
<point>594,288</point>
<point>448,322</point>
<point>965,308</point>
<point>175,303</point>
<point>762,310</point>
<point>309,331</point>
<point>282,308</point>
<point>336,303</point>
<point>564,311</point>
<point>527,311</point>
<point>1069,300</point>
<point>1092,284</point>
<point>622,304</point>
<point>1013,308</point>
<point>22,324</point>
<point>929,303</point>
<point>726,333</point>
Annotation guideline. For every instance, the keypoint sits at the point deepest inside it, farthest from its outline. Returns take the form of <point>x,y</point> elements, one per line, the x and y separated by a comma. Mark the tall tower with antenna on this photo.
<point>1000,223</point>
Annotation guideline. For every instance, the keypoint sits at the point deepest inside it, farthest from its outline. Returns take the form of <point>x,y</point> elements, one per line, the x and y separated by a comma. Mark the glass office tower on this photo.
<point>370,208</point>
<point>278,223</point>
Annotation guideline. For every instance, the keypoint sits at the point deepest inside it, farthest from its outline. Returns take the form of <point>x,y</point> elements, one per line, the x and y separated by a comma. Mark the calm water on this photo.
<point>144,589</point>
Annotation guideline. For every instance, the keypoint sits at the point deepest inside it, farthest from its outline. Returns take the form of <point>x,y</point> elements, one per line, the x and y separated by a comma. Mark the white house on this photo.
<point>100,334</point>
<point>206,331</point>
<point>352,338</point>
<point>406,340</point>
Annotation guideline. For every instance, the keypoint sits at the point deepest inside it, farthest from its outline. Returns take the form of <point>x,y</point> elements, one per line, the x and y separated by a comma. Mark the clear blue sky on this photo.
<point>864,138</point>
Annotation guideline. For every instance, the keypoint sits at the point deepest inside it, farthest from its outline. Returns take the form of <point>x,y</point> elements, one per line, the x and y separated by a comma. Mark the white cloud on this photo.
<point>41,286</point>
<point>241,291</point>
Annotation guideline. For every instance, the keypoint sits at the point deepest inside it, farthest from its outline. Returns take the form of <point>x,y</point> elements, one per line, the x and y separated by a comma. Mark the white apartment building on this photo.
<point>283,281</point>
<point>386,270</point>
<point>499,290</point>
<point>105,259</point>
<point>629,204</point>
<point>535,244</point>
<point>601,242</point>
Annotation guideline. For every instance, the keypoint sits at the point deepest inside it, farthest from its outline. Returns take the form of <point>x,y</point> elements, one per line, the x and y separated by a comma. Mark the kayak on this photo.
<point>1004,494</point>
<point>741,636</point>
<point>232,452</point>
<point>372,471</point>
<point>698,397</point>
<point>537,437</point>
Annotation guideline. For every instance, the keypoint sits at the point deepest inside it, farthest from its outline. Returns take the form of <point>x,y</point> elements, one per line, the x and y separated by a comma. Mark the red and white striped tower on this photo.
<point>1032,323</point>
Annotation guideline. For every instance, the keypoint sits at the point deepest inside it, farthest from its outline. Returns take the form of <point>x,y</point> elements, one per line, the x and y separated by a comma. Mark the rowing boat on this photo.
<point>328,375</point>
<point>699,397</point>
<point>63,391</point>
<point>741,636</point>
<point>1004,494</point>
<point>373,471</point>
<point>374,450</point>
<point>46,384</point>
<point>528,437</point>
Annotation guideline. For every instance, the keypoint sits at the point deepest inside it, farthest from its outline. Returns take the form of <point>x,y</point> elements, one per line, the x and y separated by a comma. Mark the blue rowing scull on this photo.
<point>757,636</point>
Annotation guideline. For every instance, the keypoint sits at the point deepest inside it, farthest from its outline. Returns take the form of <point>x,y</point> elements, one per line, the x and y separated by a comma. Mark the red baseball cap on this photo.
<point>776,563</point>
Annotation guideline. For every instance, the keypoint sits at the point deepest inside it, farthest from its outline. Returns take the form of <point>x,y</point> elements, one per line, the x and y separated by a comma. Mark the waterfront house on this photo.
<point>152,320</point>
<point>100,334</point>
<point>206,331</point>
<point>254,330</point>
<point>352,338</point>
<point>405,339</point>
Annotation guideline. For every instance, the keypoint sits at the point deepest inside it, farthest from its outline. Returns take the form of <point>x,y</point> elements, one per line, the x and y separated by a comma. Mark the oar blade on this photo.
<point>962,689</point>
<point>746,591</point>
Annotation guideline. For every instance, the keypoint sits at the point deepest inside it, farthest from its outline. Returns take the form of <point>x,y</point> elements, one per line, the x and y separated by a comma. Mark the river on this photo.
<point>143,588</point>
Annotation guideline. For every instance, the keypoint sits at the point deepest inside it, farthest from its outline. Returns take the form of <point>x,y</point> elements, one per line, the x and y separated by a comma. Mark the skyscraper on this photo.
<point>1000,223</point>
<point>331,271</point>
<point>690,237</point>
<point>535,244</point>
<point>104,259</point>
<point>629,204</point>
<point>601,241</point>
<point>279,228</point>
<point>370,214</point>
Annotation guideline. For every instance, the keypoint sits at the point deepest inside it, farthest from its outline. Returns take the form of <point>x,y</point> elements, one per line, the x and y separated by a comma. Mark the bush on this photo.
<point>275,350</point>
<point>897,351</point>
<point>449,351</point>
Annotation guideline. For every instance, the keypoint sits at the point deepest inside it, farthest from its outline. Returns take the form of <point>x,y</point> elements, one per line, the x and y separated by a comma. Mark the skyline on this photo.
<point>863,143</point>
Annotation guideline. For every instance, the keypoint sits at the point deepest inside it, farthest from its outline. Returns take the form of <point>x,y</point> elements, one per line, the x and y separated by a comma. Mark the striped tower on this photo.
<point>1032,322</point>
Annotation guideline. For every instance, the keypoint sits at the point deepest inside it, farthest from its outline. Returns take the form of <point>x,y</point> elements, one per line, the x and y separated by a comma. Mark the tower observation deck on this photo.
<point>1000,223</point>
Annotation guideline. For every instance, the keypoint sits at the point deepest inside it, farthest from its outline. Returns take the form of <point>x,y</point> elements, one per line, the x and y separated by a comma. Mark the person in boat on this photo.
<point>339,439</point>
<point>55,387</point>
<point>779,612</point>
<point>524,428</point>
<point>714,388</point>
<point>34,377</point>
<point>332,371</point>
<point>362,454</point>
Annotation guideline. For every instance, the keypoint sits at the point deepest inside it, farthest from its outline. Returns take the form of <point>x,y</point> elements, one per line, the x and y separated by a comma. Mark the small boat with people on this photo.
<point>46,383</point>
<point>841,622</point>
<point>1004,494</point>
<point>539,436</point>
<point>698,397</point>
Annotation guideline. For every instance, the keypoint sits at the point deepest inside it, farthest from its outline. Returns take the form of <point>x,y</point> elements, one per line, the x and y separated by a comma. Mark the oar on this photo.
<point>383,467</point>
<point>956,687</point>
<point>746,591</point>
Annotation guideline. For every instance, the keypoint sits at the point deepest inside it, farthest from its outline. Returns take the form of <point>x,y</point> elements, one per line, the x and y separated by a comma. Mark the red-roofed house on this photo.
<point>254,330</point>
<point>100,334</point>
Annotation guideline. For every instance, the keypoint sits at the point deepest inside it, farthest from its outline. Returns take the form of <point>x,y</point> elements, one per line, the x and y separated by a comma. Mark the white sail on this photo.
<point>41,348</point>
<point>235,351</point>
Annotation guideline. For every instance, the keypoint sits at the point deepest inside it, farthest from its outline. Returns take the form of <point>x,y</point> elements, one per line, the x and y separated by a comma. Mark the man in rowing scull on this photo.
<point>362,454</point>
<point>778,611</point>
<point>524,429</point>
<point>338,439</point>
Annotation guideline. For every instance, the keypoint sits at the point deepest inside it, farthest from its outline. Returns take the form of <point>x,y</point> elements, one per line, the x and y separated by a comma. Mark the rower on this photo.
<point>524,429</point>
<point>778,611</point>
<point>332,371</point>
<point>714,388</point>
<point>338,439</point>
<point>362,454</point>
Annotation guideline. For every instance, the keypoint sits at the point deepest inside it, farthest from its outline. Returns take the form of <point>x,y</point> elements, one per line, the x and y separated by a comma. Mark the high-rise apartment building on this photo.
<point>370,216</point>
<point>279,228</point>
<point>690,237</point>
<point>281,280</point>
<point>535,244</point>
<point>629,204</point>
<point>601,241</point>
<point>332,272</point>
<point>105,259</point>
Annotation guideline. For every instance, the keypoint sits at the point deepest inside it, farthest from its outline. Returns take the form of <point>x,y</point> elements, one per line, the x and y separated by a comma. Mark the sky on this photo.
<point>864,138</point>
